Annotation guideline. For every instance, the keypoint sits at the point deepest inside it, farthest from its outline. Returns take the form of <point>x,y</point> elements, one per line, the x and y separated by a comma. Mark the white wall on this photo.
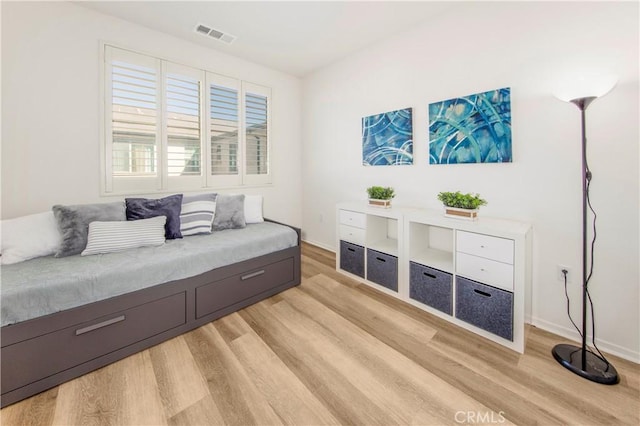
<point>477,47</point>
<point>51,108</point>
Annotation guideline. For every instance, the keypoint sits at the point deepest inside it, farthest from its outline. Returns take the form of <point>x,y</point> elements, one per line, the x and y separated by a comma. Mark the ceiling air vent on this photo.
<point>216,34</point>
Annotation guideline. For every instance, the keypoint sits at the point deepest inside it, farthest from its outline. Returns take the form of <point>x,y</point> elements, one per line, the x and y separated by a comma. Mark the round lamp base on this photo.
<point>596,369</point>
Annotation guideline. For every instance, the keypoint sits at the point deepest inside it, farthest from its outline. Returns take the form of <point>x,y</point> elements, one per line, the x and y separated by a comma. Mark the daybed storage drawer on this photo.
<point>486,307</point>
<point>431,287</point>
<point>352,258</point>
<point>382,269</point>
<point>51,353</point>
<point>224,293</point>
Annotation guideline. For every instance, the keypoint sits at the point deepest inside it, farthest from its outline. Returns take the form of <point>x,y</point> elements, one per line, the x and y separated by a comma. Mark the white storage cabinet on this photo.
<point>476,274</point>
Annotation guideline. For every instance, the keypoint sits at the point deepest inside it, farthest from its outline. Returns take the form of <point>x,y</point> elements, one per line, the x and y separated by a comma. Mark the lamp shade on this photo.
<point>585,86</point>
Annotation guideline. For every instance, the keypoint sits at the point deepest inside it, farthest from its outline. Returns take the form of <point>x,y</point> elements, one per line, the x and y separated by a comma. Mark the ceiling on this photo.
<point>294,37</point>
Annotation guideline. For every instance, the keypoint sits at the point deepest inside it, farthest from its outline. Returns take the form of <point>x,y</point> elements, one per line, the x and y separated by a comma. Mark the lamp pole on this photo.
<point>587,364</point>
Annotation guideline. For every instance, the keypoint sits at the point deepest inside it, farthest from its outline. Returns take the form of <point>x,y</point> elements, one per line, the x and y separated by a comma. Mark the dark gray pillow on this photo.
<point>145,208</point>
<point>73,223</point>
<point>229,212</point>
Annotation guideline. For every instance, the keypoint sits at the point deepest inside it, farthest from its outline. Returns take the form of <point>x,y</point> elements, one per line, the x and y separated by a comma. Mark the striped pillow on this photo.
<point>197,214</point>
<point>109,237</point>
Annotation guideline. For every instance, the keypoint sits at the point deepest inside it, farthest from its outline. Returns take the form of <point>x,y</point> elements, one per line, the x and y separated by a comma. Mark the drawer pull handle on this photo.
<point>381,259</point>
<point>350,249</point>
<point>482,293</point>
<point>252,275</point>
<point>99,325</point>
<point>429,275</point>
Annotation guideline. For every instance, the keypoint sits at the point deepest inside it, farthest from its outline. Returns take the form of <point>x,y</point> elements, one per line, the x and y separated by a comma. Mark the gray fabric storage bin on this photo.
<point>431,287</point>
<point>352,258</point>
<point>484,306</point>
<point>382,269</point>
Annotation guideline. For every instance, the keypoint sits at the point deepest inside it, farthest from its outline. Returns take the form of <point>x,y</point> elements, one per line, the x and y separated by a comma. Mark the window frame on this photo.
<point>111,184</point>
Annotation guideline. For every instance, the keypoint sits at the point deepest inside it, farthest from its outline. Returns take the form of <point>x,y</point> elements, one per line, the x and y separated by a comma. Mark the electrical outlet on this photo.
<point>560,268</point>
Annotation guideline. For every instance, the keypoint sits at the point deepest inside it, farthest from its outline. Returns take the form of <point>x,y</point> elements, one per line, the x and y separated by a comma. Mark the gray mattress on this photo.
<point>47,285</point>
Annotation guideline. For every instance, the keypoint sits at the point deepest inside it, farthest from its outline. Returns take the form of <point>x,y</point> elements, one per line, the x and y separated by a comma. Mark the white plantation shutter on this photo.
<point>224,131</point>
<point>170,127</point>
<point>183,99</point>
<point>183,125</point>
<point>257,133</point>
<point>132,120</point>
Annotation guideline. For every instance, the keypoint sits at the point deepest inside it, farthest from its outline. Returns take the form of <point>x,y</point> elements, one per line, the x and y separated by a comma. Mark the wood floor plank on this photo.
<point>292,400</point>
<point>125,392</point>
<point>237,398</point>
<point>179,387</point>
<point>203,412</point>
<point>231,327</point>
<point>37,410</point>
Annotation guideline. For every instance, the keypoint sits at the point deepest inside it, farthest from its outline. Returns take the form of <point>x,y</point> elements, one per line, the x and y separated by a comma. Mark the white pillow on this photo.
<point>30,236</point>
<point>253,209</point>
<point>109,237</point>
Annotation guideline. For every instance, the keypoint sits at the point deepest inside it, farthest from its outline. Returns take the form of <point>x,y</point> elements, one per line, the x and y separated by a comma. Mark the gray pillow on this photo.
<point>73,223</point>
<point>229,212</point>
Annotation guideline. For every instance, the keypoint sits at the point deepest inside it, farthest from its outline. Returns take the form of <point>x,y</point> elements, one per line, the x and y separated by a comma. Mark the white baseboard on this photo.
<point>603,345</point>
<point>322,246</point>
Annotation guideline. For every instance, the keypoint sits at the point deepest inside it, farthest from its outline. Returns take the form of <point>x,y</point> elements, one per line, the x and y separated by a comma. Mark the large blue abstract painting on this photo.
<point>472,129</point>
<point>387,139</point>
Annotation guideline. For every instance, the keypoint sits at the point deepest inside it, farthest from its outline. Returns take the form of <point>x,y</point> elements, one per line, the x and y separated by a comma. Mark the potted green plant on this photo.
<point>461,206</point>
<point>380,196</point>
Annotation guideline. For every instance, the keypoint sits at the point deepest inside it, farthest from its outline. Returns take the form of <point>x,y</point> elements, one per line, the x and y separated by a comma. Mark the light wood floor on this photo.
<point>334,351</point>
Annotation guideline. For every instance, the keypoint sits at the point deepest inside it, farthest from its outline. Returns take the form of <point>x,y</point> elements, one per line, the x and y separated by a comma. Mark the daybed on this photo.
<point>57,327</point>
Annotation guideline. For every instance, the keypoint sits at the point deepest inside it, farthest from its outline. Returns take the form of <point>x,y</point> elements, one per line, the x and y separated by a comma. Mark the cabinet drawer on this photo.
<point>224,293</point>
<point>494,248</point>
<point>86,341</point>
<point>352,234</point>
<point>352,258</point>
<point>431,287</point>
<point>486,307</point>
<point>350,218</point>
<point>382,269</point>
<point>494,273</point>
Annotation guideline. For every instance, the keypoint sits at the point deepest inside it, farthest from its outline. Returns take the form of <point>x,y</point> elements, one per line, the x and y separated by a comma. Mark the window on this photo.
<point>171,127</point>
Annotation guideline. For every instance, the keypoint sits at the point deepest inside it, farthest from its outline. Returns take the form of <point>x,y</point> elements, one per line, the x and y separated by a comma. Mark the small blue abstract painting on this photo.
<point>387,139</point>
<point>472,129</point>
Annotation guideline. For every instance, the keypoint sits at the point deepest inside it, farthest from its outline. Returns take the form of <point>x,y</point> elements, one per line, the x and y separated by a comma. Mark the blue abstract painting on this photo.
<point>387,139</point>
<point>472,129</point>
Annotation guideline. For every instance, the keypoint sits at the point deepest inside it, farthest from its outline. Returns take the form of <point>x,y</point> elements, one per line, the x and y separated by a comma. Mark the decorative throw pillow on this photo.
<point>73,223</point>
<point>145,208</point>
<point>109,237</point>
<point>253,209</point>
<point>30,236</point>
<point>197,213</point>
<point>229,212</point>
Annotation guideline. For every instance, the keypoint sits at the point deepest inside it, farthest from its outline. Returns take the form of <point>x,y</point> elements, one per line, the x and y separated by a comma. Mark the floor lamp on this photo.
<point>580,359</point>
